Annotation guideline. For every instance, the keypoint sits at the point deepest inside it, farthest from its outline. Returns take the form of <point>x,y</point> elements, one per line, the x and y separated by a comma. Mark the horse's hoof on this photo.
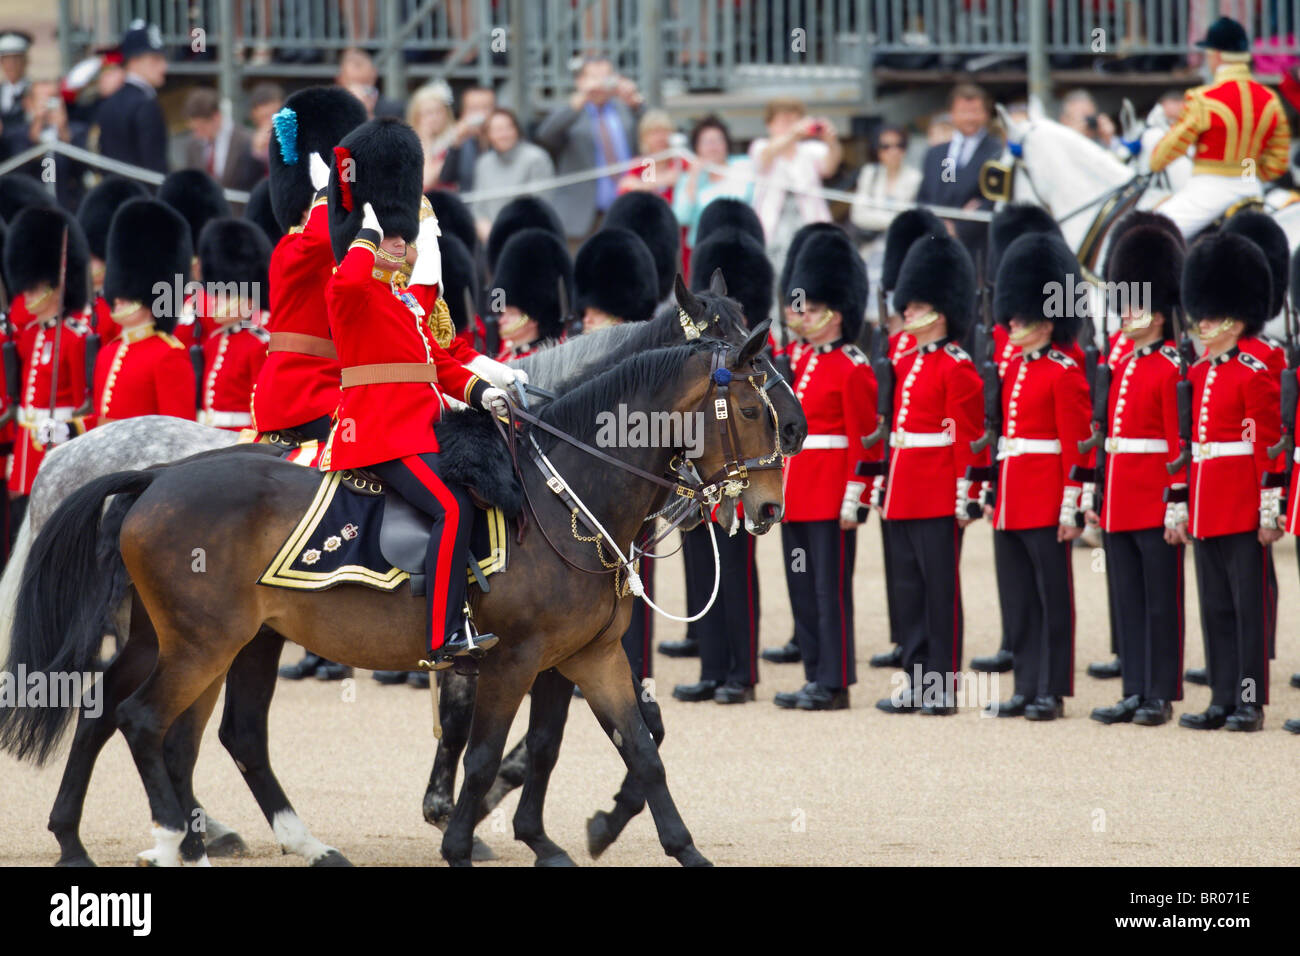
<point>83,860</point>
<point>692,857</point>
<point>436,815</point>
<point>555,859</point>
<point>481,852</point>
<point>599,836</point>
<point>228,844</point>
<point>332,858</point>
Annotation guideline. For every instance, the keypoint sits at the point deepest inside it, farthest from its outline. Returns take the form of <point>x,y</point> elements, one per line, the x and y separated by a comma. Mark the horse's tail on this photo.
<point>72,578</point>
<point>11,580</point>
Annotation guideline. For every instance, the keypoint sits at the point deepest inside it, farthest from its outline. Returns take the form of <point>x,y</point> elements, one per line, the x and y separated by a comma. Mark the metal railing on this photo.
<point>697,44</point>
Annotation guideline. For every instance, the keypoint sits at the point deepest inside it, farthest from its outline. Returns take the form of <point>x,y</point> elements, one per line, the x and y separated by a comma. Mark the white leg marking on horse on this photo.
<point>166,850</point>
<point>295,838</point>
<point>201,861</point>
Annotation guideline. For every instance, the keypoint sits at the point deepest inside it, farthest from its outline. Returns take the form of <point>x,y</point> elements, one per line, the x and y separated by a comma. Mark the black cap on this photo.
<point>141,38</point>
<point>1227,36</point>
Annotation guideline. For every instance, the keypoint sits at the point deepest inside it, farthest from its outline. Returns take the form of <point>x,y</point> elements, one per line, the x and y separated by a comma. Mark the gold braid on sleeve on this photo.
<point>440,324</point>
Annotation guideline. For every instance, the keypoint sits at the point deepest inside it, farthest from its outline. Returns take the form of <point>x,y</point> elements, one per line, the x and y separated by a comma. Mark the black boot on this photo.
<point>329,670</point>
<point>1197,675</point>
<point>1104,670</point>
<point>683,648</point>
<point>304,668</point>
<point>1154,712</point>
<point>704,690</point>
<point>462,642</point>
<point>786,654</point>
<point>1121,713</point>
<point>391,677</point>
<point>999,663</point>
<point>891,658</point>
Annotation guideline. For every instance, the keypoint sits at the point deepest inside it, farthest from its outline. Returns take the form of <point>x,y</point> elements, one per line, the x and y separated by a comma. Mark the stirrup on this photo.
<point>478,644</point>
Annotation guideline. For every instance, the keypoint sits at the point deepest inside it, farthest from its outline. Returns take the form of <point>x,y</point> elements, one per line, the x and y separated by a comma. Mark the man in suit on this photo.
<point>951,170</point>
<point>596,128</point>
<point>216,144</point>
<point>131,124</point>
<point>13,75</point>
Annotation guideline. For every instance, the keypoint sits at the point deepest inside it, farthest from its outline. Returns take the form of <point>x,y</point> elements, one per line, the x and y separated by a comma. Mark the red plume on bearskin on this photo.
<point>341,156</point>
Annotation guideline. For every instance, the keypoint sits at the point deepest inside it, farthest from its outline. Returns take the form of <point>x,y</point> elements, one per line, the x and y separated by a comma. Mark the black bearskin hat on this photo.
<point>1010,223</point>
<point>454,218</point>
<point>1226,276</point>
<point>532,265</point>
<point>907,227</point>
<point>1033,284</point>
<point>17,192</point>
<point>939,270</point>
<point>382,163</point>
<point>792,253</point>
<point>259,212</point>
<point>522,212</point>
<point>235,250</point>
<point>1263,230</point>
<point>458,277</point>
<point>745,267</point>
<point>614,272</point>
<point>148,243</point>
<point>32,250</point>
<point>97,208</point>
<point>727,212</point>
<point>829,270</point>
<point>1150,254</point>
<point>313,120</point>
<point>196,196</point>
<point>1142,217</point>
<point>650,218</point>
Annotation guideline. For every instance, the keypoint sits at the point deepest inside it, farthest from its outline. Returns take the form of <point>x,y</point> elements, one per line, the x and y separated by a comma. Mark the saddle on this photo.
<point>354,532</point>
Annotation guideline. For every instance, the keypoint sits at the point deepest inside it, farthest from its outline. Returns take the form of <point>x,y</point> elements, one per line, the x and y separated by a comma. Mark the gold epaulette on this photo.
<point>171,340</point>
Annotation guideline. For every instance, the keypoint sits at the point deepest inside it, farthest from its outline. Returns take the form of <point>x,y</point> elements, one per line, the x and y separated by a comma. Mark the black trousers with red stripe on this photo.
<point>640,632</point>
<point>1270,601</point>
<point>416,478</point>
<point>819,560</point>
<point>887,547</point>
<point>1233,589</point>
<point>728,633</point>
<point>1145,576</point>
<point>926,596</point>
<point>1036,594</point>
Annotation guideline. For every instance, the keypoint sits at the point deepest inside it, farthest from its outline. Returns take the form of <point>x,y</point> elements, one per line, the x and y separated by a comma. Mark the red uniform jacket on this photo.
<point>1143,405</point>
<point>105,327</point>
<point>506,353</point>
<point>1044,398</point>
<point>1293,493</point>
<point>1004,350</point>
<point>1267,350</point>
<point>461,346</point>
<point>36,343</point>
<point>940,394</point>
<point>1121,346</point>
<point>370,326</point>
<point>196,322</point>
<point>837,389</point>
<point>144,372</point>
<point>294,388</point>
<point>1236,400</point>
<point>233,357</point>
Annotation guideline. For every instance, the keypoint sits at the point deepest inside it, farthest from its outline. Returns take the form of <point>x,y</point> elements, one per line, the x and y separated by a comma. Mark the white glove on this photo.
<point>1088,500</point>
<point>318,172</point>
<point>51,431</point>
<point>428,260</point>
<point>1175,515</point>
<point>1270,508</point>
<point>852,501</point>
<point>369,220</point>
<point>1070,506</point>
<point>520,375</point>
<point>494,401</point>
<point>964,500</point>
<point>502,376</point>
<point>877,497</point>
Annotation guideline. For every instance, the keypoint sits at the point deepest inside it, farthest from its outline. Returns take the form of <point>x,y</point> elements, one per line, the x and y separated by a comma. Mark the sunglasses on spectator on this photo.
<point>891,144</point>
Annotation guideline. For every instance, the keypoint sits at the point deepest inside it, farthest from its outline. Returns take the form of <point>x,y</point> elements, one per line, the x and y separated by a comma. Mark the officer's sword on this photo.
<point>58,332</point>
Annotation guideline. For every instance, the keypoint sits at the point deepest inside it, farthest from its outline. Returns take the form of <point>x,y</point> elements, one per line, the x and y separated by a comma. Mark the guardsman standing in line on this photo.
<point>938,413</point>
<point>532,267</point>
<point>1237,128</point>
<point>199,199</point>
<point>1036,517</point>
<point>1232,519</point>
<point>727,636</point>
<point>234,255</point>
<point>826,498</point>
<point>95,215</point>
<point>1144,554</point>
<point>146,370</point>
<point>52,392</point>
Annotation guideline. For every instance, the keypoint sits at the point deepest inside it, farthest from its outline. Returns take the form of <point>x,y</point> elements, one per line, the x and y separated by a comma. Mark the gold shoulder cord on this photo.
<point>440,324</point>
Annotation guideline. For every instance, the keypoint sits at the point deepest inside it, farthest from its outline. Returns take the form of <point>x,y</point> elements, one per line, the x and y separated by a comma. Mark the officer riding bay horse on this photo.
<point>242,508</point>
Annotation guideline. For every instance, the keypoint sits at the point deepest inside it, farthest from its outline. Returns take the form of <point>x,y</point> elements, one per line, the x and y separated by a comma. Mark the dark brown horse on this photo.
<point>239,510</point>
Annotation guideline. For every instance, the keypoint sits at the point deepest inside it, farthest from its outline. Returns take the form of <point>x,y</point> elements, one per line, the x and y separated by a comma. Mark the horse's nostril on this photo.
<point>770,512</point>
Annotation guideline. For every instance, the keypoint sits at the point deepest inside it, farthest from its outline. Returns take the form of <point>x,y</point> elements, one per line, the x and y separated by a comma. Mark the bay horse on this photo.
<point>202,621</point>
<point>251,683</point>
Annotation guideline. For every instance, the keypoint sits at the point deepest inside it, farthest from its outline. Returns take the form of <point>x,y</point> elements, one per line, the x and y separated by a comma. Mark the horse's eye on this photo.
<point>750,412</point>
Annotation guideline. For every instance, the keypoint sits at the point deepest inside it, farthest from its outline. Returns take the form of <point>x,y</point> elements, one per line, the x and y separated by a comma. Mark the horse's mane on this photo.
<point>558,366</point>
<point>1079,143</point>
<point>575,411</point>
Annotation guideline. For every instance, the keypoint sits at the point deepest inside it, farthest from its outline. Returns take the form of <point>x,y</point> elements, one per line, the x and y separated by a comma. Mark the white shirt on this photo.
<point>961,148</point>
<point>800,174</point>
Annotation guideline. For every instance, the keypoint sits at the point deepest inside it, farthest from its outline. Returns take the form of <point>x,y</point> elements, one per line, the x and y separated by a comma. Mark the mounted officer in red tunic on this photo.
<point>395,378</point>
<point>146,370</point>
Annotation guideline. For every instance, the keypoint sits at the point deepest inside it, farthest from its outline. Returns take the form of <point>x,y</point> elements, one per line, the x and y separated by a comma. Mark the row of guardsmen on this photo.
<point>1169,446</point>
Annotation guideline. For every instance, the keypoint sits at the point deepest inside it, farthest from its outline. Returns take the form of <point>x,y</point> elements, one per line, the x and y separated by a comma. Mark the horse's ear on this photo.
<point>754,344</point>
<point>717,284</point>
<point>1036,111</point>
<point>1015,131</point>
<point>686,299</point>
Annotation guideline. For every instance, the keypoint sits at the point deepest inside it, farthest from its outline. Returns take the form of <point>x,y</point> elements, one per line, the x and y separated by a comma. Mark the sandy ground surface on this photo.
<point>758,785</point>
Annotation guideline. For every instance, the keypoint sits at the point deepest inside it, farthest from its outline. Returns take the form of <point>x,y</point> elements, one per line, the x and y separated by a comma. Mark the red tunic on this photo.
<point>233,356</point>
<point>196,323</point>
<point>370,326</point>
<point>939,396</point>
<point>1004,350</point>
<point>1267,350</point>
<point>105,327</point>
<point>144,372</point>
<point>1143,407</point>
<point>837,389</point>
<point>461,348</point>
<point>1236,403</point>
<point>1044,398</point>
<point>36,343</point>
<point>294,388</point>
